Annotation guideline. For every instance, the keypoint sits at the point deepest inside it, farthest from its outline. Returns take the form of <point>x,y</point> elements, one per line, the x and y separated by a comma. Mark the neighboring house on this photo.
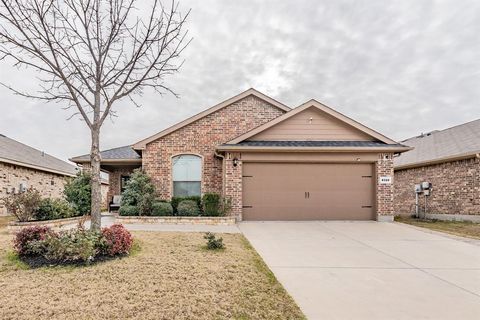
<point>23,167</point>
<point>450,160</point>
<point>273,162</point>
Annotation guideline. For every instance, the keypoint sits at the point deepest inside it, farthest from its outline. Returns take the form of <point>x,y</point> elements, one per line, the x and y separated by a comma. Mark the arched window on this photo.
<point>187,175</point>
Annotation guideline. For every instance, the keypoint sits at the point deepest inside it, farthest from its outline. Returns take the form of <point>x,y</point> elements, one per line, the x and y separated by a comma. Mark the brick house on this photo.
<point>450,160</point>
<point>24,167</point>
<point>273,162</point>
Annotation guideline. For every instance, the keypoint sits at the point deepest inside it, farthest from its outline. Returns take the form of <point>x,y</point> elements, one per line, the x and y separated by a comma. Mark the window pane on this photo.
<point>123,182</point>
<point>187,168</point>
<point>186,188</point>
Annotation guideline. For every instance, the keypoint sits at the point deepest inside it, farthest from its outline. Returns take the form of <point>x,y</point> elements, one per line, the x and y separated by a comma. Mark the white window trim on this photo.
<point>201,169</point>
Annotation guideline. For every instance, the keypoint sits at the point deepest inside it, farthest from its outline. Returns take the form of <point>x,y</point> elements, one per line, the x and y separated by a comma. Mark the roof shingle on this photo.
<point>460,140</point>
<point>120,153</point>
<point>12,151</point>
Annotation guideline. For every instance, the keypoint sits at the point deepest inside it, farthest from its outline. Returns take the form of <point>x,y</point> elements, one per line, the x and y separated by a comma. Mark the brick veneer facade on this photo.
<point>200,138</point>
<point>385,192</point>
<point>114,181</point>
<point>49,185</point>
<point>456,187</point>
<point>233,183</point>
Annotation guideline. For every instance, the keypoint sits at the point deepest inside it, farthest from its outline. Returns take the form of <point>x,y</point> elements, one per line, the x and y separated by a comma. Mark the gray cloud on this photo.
<point>400,67</point>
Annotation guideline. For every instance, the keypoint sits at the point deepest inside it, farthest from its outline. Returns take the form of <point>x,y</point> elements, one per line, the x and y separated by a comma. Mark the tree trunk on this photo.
<point>96,191</point>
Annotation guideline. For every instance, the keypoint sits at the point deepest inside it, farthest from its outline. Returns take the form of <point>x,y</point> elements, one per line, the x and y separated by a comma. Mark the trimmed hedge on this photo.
<point>162,209</point>
<point>128,210</point>
<point>188,208</point>
<point>176,200</point>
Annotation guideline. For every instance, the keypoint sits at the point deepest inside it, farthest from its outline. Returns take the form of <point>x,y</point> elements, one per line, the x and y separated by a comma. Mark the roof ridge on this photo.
<point>245,94</point>
<point>422,135</point>
<point>40,151</point>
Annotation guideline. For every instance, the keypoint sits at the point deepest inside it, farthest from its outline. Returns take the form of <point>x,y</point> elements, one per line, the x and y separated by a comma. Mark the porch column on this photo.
<point>384,169</point>
<point>233,183</point>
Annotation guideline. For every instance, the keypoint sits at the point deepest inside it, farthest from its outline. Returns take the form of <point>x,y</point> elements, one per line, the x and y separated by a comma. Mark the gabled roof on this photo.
<point>455,143</point>
<point>250,92</point>
<point>17,153</point>
<point>124,154</point>
<point>315,104</point>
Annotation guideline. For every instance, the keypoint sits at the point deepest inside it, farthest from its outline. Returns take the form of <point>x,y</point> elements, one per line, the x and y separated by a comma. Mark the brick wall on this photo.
<point>201,137</point>
<point>114,181</point>
<point>49,185</point>
<point>384,167</point>
<point>456,187</point>
<point>233,184</point>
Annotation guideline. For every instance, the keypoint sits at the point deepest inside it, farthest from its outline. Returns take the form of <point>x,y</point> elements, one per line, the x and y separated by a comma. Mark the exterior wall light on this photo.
<point>235,162</point>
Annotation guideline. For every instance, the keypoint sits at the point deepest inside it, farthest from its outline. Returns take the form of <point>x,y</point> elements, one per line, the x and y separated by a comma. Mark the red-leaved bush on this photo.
<point>26,237</point>
<point>117,240</point>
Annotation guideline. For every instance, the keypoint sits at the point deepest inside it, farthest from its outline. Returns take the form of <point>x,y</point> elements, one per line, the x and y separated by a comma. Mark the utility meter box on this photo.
<point>23,187</point>
<point>426,185</point>
<point>418,188</point>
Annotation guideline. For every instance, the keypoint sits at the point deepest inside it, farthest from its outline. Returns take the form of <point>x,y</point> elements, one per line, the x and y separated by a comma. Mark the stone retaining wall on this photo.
<point>176,220</point>
<point>57,223</point>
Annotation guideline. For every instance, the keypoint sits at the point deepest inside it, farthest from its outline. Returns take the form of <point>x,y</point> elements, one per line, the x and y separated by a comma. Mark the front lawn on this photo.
<point>463,229</point>
<point>4,221</point>
<point>172,277</point>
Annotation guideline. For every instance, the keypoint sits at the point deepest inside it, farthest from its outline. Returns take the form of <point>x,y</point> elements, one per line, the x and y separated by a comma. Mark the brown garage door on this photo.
<point>301,191</point>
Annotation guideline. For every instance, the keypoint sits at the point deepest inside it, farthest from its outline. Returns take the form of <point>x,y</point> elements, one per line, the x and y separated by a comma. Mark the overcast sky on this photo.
<point>399,67</point>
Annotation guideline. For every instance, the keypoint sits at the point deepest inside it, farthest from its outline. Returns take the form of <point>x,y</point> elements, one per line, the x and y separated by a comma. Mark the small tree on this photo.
<point>91,54</point>
<point>78,192</point>
<point>139,192</point>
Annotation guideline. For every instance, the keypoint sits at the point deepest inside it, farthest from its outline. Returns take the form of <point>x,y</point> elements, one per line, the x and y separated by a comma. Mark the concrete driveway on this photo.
<point>371,270</point>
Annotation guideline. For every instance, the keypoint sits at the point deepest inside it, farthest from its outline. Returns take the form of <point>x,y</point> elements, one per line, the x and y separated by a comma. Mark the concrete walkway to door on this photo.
<point>370,270</point>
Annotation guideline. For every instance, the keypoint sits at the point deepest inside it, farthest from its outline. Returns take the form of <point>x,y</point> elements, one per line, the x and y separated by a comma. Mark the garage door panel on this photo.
<point>300,191</point>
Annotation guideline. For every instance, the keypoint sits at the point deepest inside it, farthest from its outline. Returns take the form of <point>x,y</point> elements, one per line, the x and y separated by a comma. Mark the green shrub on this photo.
<point>128,210</point>
<point>176,200</point>
<point>188,208</point>
<point>162,209</point>
<point>139,192</point>
<point>22,205</point>
<point>78,192</point>
<point>211,204</point>
<point>72,245</point>
<point>213,243</point>
<point>50,209</point>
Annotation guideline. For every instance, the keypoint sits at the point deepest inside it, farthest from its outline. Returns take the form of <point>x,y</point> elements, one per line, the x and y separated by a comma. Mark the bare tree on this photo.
<point>89,54</point>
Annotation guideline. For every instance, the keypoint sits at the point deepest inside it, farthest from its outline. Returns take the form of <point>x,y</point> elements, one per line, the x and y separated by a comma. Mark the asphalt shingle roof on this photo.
<point>14,151</point>
<point>459,140</point>
<point>315,144</point>
<point>120,153</point>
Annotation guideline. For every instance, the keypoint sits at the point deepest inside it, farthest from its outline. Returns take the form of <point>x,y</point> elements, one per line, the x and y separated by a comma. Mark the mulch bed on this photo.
<point>39,261</point>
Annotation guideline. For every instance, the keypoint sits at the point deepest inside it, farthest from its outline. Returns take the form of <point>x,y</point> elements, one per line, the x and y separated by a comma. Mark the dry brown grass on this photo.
<point>5,220</point>
<point>171,277</point>
<point>463,229</point>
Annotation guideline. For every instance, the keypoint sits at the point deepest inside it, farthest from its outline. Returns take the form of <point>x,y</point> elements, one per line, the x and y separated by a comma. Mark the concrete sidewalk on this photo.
<point>370,270</point>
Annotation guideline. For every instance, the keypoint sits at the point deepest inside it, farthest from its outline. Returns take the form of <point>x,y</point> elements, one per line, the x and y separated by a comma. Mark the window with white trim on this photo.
<point>186,175</point>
